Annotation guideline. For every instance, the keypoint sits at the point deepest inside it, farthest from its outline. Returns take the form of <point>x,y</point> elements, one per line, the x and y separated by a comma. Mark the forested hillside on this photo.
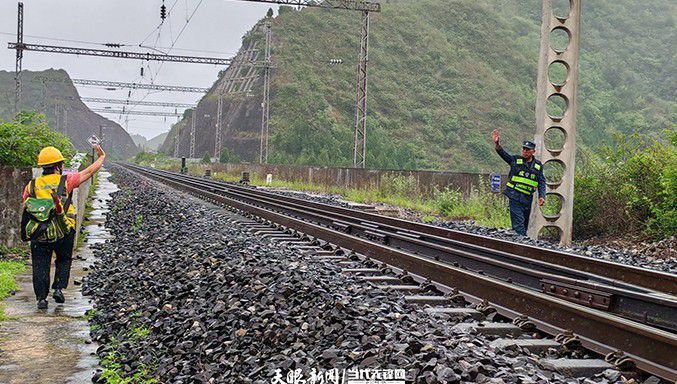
<point>444,73</point>
<point>59,100</point>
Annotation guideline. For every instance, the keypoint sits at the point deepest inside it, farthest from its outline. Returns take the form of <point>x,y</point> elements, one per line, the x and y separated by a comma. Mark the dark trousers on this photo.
<point>519,216</point>
<point>41,257</point>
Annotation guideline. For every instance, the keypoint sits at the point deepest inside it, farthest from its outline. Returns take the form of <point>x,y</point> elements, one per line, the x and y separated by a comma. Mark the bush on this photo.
<point>634,189</point>
<point>228,156</point>
<point>144,157</point>
<point>206,159</point>
<point>22,138</point>
<point>485,208</point>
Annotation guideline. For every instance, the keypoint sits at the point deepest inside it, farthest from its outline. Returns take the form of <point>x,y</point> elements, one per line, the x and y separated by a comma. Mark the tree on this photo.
<point>228,156</point>
<point>206,159</point>
<point>270,13</point>
<point>22,138</point>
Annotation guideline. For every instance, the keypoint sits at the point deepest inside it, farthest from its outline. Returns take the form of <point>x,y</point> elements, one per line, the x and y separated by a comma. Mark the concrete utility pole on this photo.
<point>550,124</point>
<point>265,104</point>
<point>19,56</point>
<point>360,139</point>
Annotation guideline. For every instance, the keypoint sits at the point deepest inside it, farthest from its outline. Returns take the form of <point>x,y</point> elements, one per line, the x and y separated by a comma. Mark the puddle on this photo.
<point>52,346</point>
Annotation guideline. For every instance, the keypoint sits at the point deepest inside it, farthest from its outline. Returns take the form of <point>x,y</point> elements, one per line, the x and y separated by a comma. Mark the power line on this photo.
<point>137,102</point>
<point>118,54</point>
<point>138,113</point>
<point>119,84</point>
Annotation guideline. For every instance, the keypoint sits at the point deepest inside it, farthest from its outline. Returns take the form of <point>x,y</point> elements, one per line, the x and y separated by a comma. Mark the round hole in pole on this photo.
<point>559,39</point>
<point>561,9</point>
<point>550,233</point>
<point>554,139</point>
<point>558,73</point>
<point>553,170</point>
<point>552,207</point>
<point>556,106</point>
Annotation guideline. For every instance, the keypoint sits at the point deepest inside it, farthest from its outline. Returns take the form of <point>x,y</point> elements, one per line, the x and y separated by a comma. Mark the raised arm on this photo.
<point>496,138</point>
<point>88,172</point>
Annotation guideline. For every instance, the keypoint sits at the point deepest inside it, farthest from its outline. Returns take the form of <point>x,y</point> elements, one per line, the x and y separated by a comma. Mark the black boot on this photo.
<point>58,296</point>
<point>42,304</point>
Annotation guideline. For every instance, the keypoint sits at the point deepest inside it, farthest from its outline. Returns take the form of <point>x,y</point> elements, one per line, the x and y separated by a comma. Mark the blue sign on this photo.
<point>495,183</point>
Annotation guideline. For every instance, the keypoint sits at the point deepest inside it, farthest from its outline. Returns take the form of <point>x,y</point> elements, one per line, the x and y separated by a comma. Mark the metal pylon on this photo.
<point>176,142</point>
<point>551,122</point>
<point>360,139</point>
<point>19,57</point>
<point>217,139</point>
<point>265,104</point>
<point>192,134</point>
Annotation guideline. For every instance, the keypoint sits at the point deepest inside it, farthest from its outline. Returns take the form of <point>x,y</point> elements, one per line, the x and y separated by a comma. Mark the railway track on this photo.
<point>609,307</point>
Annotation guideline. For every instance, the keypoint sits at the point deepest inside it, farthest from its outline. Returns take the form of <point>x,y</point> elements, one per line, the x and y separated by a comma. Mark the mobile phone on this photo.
<point>93,140</point>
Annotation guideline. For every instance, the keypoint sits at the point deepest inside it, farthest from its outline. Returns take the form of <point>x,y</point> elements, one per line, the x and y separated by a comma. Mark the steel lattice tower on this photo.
<point>360,138</point>
<point>19,56</point>
<point>265,104</point>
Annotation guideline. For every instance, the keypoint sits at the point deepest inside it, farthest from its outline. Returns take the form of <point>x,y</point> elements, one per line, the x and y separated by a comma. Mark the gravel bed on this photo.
<point>192,298</point>
<point>661,256</point>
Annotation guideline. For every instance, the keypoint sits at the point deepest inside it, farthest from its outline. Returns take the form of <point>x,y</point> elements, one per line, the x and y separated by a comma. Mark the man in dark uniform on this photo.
<point>525,177</point>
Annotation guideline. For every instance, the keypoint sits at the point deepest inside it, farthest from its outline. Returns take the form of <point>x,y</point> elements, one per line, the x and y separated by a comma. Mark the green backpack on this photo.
<point>39,221</point>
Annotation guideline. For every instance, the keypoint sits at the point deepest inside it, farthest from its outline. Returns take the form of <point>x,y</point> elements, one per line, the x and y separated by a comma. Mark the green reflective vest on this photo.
<point>524,178</point>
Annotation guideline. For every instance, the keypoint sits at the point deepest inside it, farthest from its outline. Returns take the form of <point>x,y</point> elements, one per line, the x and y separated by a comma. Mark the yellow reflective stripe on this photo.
<point>524,180</point>
<point>518,188</point>
<point>537,166</point>
<point>520,161</point>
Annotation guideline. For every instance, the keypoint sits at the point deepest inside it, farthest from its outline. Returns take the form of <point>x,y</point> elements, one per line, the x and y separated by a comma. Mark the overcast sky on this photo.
<point>215,30</point>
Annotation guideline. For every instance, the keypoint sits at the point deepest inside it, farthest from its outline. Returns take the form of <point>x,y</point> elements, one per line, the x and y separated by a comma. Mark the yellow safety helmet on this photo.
<point>49,155</point>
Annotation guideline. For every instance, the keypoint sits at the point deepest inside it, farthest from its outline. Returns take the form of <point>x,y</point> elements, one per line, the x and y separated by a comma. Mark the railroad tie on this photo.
<point>427,299</point>
<point>364,271</point>
<point>456,312</point>
<point>533,345</point>
<point>400,287</point>
<point>490,328</point>
<point>382,279</point>
<point>576,367</point>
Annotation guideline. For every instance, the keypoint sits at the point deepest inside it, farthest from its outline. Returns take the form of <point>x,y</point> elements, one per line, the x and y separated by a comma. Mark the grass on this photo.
<point>138,222</point>
<point>8,272</point>
<point>111,362</point>
<point>485,208</point>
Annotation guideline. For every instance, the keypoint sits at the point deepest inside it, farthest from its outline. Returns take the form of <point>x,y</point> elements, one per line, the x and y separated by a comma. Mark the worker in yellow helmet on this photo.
<point>55,184</point>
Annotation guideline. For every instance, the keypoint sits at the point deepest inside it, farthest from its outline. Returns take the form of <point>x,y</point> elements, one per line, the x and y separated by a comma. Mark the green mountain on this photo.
<point>52,92</point>
<point>444,73</point>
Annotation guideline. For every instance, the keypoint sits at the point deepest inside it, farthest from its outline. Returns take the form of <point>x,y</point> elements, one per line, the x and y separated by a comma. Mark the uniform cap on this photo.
<point>529,144</point>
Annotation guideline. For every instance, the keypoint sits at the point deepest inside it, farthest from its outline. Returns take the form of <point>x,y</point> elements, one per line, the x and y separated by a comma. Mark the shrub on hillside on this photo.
<point>228,156</point>
<point>634,189</point>
<point>22,138</point>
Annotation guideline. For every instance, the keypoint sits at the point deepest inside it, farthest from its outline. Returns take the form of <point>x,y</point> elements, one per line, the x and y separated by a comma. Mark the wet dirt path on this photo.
<point>53,346</point>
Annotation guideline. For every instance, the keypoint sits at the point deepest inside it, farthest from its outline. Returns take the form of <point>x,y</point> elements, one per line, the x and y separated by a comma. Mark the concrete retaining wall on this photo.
<point>12,182</point>
<point>426,181</point>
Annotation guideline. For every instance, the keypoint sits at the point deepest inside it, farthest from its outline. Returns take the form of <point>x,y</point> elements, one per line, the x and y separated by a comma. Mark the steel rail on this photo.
<point>652,349</point>
<point>615,297</point>
<point>642,277</point>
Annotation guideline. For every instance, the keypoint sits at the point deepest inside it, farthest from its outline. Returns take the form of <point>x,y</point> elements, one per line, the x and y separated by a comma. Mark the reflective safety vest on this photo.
<point>524,178</point>
<point>41,188</point>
